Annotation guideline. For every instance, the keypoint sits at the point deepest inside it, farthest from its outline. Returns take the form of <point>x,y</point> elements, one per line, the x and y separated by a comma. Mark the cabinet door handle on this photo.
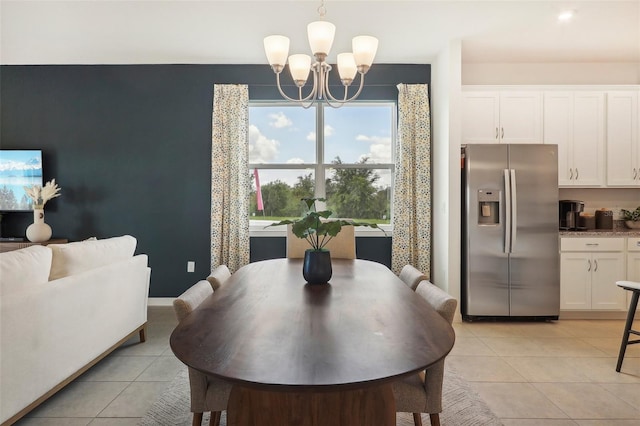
<point>589,270</point>
<point>592,244</point>
<point>577,173</point>
<point>635,173</point>
<point>502,136</point>
<point>570,174</point>
<point>596,268</point>
<point>496,133</point>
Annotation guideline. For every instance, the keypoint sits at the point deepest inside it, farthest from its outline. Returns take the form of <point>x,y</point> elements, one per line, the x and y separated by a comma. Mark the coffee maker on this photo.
<point>569,214</point>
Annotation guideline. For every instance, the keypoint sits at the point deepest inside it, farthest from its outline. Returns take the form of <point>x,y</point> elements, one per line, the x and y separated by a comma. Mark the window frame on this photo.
<point>320,166</point>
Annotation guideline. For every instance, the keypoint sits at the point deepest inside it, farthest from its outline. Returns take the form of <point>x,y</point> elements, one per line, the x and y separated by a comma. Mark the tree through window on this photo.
<point>344,155</point>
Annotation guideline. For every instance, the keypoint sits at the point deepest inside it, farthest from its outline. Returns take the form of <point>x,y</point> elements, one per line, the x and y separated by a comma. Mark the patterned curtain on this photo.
<point>411,243</point>
<point>230,182</point>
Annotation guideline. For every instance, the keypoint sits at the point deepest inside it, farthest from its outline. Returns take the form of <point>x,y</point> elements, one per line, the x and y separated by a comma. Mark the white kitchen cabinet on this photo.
<point>633,263</point>
<point>633,259</point>
<point>589,269</point>
<point>623,145</point>
<point>575,281</point>
<point>574,120</point>
<point>501,117</point>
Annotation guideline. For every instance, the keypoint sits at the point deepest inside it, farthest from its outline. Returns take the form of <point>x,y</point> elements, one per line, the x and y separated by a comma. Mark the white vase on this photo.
<point>38,231</point>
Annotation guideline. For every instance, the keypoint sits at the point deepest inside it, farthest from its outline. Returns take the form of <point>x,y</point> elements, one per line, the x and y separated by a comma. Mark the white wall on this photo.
<point>551,73</point>
<point>445,105</point>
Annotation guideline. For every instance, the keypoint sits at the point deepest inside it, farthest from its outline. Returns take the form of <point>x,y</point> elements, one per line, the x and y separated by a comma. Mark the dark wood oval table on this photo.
<point>301,354</point>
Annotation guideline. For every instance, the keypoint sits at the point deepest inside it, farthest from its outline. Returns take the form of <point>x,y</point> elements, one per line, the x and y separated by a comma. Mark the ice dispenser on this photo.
<point>489,206</point>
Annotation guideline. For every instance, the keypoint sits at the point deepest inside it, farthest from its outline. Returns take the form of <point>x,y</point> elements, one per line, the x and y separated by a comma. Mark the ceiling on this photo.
<point>231,32</point>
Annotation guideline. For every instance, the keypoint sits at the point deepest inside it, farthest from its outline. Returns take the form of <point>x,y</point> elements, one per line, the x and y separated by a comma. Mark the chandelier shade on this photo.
<point>320,35</point>
<point>299,66</point>
<point>347,67</point>
<point>364,49</point>
<point>277,49</point>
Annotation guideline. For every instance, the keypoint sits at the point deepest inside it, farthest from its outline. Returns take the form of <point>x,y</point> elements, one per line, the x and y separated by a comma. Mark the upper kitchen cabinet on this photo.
<point>501,117</point>
<point>575,122</point>
<point>623,146</point>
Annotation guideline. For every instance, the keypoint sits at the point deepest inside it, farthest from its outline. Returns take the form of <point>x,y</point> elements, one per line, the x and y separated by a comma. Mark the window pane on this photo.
<point>353,133</point>
<point>361,194</point>
<point>282,135</point>
<point>281,193</point>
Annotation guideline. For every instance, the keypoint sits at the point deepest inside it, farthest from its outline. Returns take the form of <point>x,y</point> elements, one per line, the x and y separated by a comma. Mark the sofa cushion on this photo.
<point>72,258</point>
<point>23,268</point>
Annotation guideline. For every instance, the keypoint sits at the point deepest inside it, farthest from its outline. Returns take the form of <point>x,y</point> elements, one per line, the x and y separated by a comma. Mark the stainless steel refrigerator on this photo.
<point>510,257</point>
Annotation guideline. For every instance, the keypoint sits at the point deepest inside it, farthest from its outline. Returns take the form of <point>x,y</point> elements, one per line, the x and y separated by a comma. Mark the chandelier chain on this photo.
<point>322,10</point>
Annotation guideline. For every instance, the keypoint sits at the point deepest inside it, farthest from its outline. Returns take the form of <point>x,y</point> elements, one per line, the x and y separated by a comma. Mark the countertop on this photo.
<point>619,230</point>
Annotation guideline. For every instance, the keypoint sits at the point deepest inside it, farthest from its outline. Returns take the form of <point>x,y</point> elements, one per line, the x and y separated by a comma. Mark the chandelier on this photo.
<point>320,34</point>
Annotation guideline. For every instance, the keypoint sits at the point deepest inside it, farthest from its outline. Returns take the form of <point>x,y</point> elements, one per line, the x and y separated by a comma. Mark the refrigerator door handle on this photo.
<point>507,211</point>
<point>514,211</point>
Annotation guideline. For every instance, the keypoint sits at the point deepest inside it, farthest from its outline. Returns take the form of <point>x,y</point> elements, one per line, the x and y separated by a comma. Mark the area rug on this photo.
<point>462,406</point>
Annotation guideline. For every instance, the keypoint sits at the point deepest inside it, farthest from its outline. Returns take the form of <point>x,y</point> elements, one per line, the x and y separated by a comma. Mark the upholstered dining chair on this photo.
<point>412,276</point>
<point>207,393</point>
<point>342,246</point>
<point>219,276</point>
<point>422,392</point>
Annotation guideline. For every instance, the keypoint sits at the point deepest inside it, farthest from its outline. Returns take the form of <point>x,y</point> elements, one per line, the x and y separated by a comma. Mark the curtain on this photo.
<point>411,243</point>
<point>230,182</point>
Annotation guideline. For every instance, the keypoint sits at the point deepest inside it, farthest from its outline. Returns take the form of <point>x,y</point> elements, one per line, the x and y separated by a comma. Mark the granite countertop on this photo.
<point>619,230</point>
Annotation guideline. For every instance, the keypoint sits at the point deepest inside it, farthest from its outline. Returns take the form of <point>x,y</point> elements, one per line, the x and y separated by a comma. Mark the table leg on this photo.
<point>371,406</point>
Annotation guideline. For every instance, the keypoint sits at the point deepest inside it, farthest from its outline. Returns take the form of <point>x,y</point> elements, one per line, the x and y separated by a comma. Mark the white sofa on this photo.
<point>64,307</point>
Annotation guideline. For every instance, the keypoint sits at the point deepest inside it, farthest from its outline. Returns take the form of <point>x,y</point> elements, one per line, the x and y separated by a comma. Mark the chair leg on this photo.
<point>417,419</point>
<point>435,419</point>
<point>627,328</point>
<point>197,419</point>
<point>142,334</point>
<point>214,420</point>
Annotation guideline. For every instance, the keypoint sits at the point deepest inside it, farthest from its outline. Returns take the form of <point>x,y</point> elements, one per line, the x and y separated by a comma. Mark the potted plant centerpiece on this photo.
<point>316,227</point>
<point>631,218</point>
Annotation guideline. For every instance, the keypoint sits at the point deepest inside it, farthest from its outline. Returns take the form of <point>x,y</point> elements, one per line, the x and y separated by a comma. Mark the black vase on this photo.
<point>316,268</point>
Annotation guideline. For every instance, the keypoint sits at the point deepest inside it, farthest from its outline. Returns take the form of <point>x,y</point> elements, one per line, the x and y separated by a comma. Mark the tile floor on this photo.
<point>559,373</point>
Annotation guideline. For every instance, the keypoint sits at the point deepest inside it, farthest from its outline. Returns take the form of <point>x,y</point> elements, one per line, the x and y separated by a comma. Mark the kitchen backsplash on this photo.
<point>613,199</point>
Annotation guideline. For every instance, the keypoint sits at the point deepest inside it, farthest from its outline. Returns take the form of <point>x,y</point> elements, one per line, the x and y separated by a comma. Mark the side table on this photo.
<point>16,245</point>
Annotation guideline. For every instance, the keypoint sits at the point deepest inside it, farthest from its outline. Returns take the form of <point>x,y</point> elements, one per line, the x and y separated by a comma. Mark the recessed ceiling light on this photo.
<point>565,16</point>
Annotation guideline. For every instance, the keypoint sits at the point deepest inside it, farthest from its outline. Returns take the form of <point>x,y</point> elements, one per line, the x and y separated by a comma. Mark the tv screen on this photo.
<point>18,168</point>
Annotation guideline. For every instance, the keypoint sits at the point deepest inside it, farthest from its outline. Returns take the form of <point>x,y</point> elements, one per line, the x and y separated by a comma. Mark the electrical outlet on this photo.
<point>191,266</point>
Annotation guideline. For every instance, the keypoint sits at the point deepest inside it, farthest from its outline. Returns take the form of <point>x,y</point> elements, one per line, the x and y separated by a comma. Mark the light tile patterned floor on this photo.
<point>548,374</point>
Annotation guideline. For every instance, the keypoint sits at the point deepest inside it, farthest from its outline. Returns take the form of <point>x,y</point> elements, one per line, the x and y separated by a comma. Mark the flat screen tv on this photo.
<point>18,168</point>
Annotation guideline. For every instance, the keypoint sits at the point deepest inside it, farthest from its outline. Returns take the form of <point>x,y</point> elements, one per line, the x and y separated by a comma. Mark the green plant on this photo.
<point>633,215</point>
<point>315,226</point>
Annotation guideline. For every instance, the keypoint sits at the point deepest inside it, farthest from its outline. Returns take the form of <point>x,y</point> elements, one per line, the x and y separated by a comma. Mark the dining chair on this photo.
<point>634,288</point>
<point>412,276</point>
<point>422,392</point>
<point>219,276</point>
<point>207,393</point>
<point>342,246</point>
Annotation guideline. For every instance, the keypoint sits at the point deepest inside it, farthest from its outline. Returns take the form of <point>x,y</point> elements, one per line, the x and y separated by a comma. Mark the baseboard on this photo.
<point>571,315</point>
<point>160,301</point>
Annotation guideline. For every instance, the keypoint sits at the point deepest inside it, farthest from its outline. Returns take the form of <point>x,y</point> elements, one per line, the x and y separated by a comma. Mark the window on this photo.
<point>344,155</point>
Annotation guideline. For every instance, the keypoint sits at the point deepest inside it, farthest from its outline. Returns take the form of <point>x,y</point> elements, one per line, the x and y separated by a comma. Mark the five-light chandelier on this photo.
<point>321,35</point>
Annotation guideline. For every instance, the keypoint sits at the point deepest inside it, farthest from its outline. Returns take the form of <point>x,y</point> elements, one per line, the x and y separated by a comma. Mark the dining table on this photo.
<point>312,354</point>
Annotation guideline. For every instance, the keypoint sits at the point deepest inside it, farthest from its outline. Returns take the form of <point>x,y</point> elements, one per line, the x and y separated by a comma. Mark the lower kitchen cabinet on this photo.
<point>633,259</point>
<point>590,268</point>
<point>633,263</point>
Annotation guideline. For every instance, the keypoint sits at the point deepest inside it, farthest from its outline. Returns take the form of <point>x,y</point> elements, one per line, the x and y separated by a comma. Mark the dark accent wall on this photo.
<point>130,146</point>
